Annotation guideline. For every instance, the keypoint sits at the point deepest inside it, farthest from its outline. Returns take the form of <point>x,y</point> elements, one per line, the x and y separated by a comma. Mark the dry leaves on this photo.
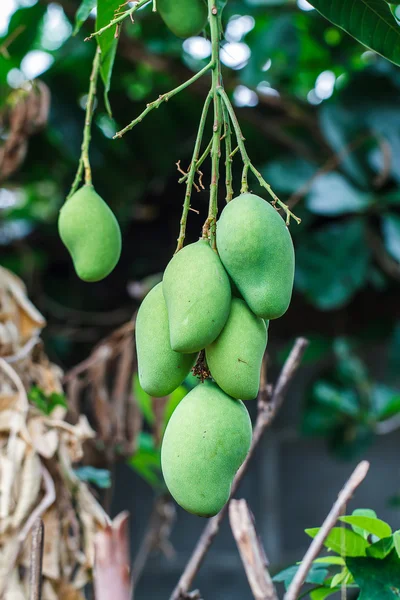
<point>37,453</point>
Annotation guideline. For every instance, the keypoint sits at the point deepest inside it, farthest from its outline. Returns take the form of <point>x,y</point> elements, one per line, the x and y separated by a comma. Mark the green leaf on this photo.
<point>391,234</point>
<point>322,593</point>
<point>368,21</point>
<point>173,401</point>
<point>396,541</point>
<point>332,264</point>
<point>329,560</point>
<point>144,401</point>
<point>333,195</point>
<point>377,579</point>
<point>147,461</point>
<point>381,548</point>
<point>343,541</point>
<point>363,512</point>
<point>370,525</point>
<point>46,403</point>
<point>339,578</point>
<point>100,477</point>
<point>385,401</point>
<point>342,400</point>
<point>317,574</point>
<point>82,14</point>
<point>107,42</point>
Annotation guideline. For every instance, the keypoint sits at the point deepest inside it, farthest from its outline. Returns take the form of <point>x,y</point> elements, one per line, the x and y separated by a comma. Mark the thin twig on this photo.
<point>268,406</point>
<point>251,551</point>
<point>192,172</point>
<point>164,98</point>
<point>118,19</point>
<point>352,484</point>
<point>35,571</point>
<point>248,165</point>
<point>84,162</point>
<point>228,154</point>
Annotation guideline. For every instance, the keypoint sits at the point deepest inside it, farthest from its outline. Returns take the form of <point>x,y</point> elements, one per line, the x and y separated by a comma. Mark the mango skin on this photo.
<point>205,442</point>
<point>197,293</point>
<point>90,231</point>
<point>235,357</point>
<point>160,369</point>
<point>256,249</point>
<point>185,18</point>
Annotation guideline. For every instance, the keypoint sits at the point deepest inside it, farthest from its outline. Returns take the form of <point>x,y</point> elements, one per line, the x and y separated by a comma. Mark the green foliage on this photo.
<point>46,403</point>
<point>368,559</point>
<point>369,21</point>
<point>108,43</point>
<point>82,14</point>
<point>147,461</point>
<point>99,477</point>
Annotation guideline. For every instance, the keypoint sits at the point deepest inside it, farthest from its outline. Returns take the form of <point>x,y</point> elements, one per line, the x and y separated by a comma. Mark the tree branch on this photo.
<point>268,406</point>
<point>35,573</point>
<point>356,478</point>
<point>251,551</point>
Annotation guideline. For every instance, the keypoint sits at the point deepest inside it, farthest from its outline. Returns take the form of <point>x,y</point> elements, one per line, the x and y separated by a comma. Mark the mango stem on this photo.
<point>248,165</point>
<point>84,163</point>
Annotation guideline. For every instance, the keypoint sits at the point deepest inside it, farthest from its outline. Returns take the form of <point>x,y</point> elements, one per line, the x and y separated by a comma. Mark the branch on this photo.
<point>192,172</point>
<point>268,406</point>
<point>35,572</point>
<point>356,478</point>
<point>164,98</point>
<point>111,576</point>
<point>248,165</point>
<point>118,18</point>
<point>251,551</point>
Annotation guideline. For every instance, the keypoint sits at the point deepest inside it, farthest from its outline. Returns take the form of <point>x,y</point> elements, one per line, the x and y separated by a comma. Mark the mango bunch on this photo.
<point>90,231</point>
<point>220,302</point>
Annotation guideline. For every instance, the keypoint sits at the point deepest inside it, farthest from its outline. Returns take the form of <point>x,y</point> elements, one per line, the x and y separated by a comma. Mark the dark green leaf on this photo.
<point>144,400</point>
<point>316,574</point>
<point>100,477</point>
<point>368,21</point>
<point>173,401</point>
<point>371,525</point>
<point>381,548</point>
<point>107,42</point>
<point>147,461</point>
<point>333,195</point>
<point>377,579</point>
<point>332,264</point>
<point>391,234</point>
<point>343,541</point>
<point>344,401</point>
<point>386,401</point>
<point>83,13</point>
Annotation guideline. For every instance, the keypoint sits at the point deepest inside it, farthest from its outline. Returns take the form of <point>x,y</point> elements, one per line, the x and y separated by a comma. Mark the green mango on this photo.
<point>256,249</point>
<point>198,296</point>
<point>161,370</point>
<point>205,442</point>
<point>185,18</point>
<point>235,357</point>
<point>90,231</point>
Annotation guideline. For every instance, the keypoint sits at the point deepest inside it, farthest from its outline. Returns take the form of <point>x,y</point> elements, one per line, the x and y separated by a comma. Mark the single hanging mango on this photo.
<point>161,370</point>
<point>197,293</point>
<point>185,18</point>
<point>90,231</point>
<point>235,357</point>
<point>205,442</point>
<point>256,249</point>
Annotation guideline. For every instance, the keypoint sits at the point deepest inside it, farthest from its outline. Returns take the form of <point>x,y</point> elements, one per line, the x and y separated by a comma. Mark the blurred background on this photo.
<point>321,117</point>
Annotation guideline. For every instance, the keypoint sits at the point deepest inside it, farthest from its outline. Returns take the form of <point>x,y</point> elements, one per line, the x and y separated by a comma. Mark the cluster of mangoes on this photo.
<point>90,231</point>
<point>220,302</point>
<point>185,19</point>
